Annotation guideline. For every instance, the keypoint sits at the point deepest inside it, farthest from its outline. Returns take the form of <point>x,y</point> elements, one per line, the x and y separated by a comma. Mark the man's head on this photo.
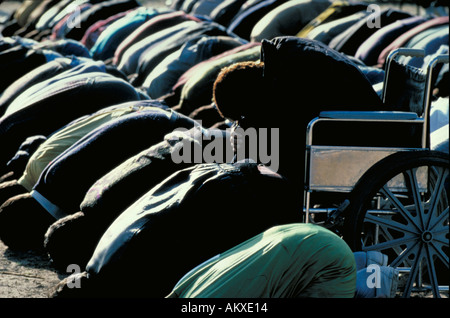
<point>239,93</point>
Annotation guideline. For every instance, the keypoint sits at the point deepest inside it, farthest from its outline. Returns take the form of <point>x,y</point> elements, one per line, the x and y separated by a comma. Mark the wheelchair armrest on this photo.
<point>369,115</point>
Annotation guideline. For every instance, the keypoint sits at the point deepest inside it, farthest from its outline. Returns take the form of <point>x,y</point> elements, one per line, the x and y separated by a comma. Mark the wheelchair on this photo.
<point>392,199</point>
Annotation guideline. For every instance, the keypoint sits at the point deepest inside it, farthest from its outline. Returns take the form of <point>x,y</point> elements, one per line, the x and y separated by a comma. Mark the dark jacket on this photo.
<point>371,48</point>
<point>349,41</point>
<point>129,62</point>
<point>155,53</point>
<point>243,23</point>
<point>162,78</point>
<point>98,12</point>
<point>158,23</point>
<point>17,61</point>
<point>110,39</point>
<point>303,77</point>
<point>37,75</point>
<point>184,221</point>
<point>59,104</point>
<point>65,181</point>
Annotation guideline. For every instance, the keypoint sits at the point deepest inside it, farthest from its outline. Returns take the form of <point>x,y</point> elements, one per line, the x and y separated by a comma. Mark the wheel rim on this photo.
<point>412,227</point>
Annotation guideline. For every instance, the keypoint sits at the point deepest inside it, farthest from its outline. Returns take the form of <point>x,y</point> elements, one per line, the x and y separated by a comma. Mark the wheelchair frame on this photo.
<point>337,169</point>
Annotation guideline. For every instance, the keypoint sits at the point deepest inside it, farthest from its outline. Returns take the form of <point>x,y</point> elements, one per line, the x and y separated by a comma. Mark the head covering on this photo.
<point>307,77</point>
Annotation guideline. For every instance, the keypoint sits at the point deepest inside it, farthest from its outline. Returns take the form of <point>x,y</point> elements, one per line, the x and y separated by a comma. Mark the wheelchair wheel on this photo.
<point>400,207</point>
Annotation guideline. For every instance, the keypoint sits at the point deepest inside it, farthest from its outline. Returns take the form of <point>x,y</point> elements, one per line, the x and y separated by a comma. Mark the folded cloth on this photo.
<point>364,259</point>
<point>377,282</point>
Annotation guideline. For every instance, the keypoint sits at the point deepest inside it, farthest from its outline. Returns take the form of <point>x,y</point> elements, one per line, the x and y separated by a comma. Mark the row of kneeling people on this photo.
<point>88,145</point>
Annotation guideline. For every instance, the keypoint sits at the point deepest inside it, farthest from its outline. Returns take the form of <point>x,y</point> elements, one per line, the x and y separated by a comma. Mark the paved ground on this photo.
<point>25,274</point>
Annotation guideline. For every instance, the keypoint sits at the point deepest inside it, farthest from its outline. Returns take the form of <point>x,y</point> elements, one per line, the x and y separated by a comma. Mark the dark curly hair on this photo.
<point>239,91</point>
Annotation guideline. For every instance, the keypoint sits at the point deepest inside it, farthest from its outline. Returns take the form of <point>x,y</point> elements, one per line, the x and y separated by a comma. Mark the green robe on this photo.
<point>287,261</point>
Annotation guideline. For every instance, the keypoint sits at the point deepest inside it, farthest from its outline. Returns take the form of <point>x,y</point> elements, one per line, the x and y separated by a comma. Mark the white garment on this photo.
<point>439,113</point>
<point>439,125</point>
<point>439,139</point>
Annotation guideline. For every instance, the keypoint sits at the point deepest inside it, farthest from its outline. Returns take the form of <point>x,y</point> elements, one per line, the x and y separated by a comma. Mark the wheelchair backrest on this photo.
<point>405,90</point>
<point>408,88</point>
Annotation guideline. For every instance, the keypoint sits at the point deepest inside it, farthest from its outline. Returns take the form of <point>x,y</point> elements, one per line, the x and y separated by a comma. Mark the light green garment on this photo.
<point>23,12</point>
<point>325,32</point>
<point>287,261</point>
<point>325,16</point>
<point>66,137</point>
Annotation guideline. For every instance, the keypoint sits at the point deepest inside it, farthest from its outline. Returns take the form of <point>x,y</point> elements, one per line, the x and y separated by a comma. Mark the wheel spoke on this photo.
<point>402,257</point>
<point>442,256</point>
<point>440,233</point>
<point>442,242</point>
<point>401,208</point>
<point>397,249</point>
<point>389,244</point>
<point>439,220</point>
<point>414,272</point>
<point>389,223</point>
<point>440,238</point>
<point>436,195</point>
<point>432,272</point>
<point>411,177</point>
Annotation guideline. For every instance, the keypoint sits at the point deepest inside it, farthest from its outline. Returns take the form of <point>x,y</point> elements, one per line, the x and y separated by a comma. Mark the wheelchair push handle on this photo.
<point>406,52</point>
<point>400,51</point>
<point>431,64</point>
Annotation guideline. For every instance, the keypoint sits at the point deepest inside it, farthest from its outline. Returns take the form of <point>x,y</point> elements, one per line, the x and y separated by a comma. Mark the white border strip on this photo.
<point>54,210</point>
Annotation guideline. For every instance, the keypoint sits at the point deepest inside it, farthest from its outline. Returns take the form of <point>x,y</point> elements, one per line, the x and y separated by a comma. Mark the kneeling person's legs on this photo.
<point>294,260</point>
